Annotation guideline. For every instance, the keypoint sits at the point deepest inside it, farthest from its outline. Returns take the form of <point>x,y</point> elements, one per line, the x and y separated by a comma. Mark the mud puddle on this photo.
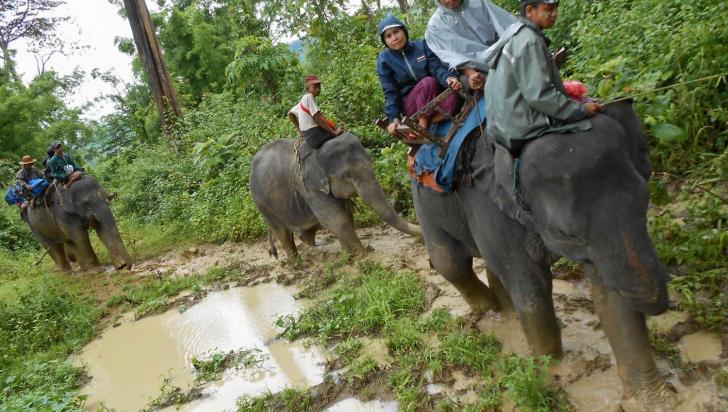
<point>587,372</point>
<point>128,364</point>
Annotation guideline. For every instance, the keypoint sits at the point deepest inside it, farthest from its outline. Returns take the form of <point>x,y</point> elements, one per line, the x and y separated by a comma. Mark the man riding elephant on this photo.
<point>526,97</point>
<point>63,168</point>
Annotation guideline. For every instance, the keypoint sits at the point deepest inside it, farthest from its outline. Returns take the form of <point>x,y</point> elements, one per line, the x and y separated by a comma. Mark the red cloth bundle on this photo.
<point>576,90</point>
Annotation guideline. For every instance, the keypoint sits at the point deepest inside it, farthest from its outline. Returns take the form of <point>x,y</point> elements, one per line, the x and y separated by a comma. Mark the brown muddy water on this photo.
<point>128,364</point>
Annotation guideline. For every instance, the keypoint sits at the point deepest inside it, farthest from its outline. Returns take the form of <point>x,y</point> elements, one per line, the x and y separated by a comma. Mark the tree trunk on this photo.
<point>9,64</point>
<point>403,6</point>
<point>147,46</point>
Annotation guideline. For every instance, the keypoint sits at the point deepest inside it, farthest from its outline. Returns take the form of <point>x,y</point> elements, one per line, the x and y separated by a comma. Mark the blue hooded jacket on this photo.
<point>399,71</point>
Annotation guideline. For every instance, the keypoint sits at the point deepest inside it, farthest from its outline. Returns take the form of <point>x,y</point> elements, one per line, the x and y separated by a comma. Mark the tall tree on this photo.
<point>151,56</point>
<point>24,19</point>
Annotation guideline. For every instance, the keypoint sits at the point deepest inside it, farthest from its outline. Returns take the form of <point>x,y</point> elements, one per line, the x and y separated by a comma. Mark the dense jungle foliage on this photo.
<point>237,77</point>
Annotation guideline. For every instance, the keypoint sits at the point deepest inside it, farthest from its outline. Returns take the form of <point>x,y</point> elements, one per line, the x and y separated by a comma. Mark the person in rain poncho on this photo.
<point>526,97</point>
<point>465,34</point>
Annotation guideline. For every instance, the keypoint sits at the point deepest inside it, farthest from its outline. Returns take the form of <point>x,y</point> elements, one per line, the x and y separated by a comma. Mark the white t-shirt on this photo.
<point>305,120</point>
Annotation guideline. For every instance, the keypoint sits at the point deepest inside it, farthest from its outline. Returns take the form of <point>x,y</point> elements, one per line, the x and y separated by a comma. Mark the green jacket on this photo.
<point>57,165</point>
<point>525,95</point>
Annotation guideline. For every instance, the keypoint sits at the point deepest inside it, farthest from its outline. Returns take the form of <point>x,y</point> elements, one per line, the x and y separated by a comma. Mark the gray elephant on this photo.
<point>582,196</point>
<point>61,220</point>
<point>301,196</point>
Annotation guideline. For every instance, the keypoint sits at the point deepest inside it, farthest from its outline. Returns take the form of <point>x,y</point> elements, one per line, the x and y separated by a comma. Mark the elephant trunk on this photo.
<point>631,268</point>
<point>374,196</point>
<point>109,233</point>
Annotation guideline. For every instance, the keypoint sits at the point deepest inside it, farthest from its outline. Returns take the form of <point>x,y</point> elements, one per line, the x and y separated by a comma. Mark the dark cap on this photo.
<point>311,79</point>
<point>55,145</point>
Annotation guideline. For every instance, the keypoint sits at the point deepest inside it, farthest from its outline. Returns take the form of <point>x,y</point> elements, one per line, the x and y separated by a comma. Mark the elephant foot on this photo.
<point>542,332</point>
<point>647,391</point>
<point>123,266</point>
<point>661,398</point>
<point>359,251</point>
<point>482,300</point>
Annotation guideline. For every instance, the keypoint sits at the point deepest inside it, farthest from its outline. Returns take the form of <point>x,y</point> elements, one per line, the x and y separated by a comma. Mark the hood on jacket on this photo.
<point>389,22</point>
<point>463,4</point>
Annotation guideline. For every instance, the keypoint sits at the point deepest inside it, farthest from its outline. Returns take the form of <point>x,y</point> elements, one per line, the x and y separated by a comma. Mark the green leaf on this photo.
<point>668,132</point>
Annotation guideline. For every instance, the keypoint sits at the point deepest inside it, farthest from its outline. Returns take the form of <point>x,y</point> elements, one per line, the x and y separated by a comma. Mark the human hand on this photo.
<point>476,81</point>
<point>392,128</point>
<point>454,83</point>
<point>594,108</point>
<point>338,131</point>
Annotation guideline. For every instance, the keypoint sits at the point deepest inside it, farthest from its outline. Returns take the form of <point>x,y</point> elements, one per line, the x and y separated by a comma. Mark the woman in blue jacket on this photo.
<point>411,75</point>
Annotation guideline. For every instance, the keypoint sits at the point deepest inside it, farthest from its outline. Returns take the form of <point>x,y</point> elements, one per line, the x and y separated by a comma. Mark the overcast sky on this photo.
<point>98,23</point>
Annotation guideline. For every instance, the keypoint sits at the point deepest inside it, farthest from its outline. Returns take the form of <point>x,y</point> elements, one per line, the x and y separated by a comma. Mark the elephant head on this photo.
<point>586,195</point>
<point>348,167</point>
<point>88,202</point>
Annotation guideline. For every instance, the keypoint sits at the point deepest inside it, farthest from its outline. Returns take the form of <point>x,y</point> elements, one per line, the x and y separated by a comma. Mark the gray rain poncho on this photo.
<point>470,35</point>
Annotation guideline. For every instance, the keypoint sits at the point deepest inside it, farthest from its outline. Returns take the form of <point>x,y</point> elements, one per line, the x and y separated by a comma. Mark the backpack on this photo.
<point>38,187</point>
<point>12,197</point>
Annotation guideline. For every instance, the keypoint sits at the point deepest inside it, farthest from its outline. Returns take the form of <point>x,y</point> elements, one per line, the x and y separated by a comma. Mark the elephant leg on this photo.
<point>455,264</point>
<point>333,214</point>
<point>85,254</point>
<point>308,236</point>
<point>285,236</point>
<point>57,253</point>
<point>501,241</point>
<point>499,291</point>
<point>450,247</point>
<point>627,333</point>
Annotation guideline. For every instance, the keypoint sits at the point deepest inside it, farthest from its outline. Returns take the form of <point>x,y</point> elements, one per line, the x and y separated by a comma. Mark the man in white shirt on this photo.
<point>308,119</point>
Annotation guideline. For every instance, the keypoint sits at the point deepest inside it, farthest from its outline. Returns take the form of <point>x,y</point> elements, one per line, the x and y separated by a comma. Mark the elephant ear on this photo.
<point>633,138</point>
<point>314,177</point>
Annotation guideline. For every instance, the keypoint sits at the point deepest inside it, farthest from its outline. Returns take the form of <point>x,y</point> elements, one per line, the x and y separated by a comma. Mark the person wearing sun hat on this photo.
<point>308,119</point>
<point>27,172</point>
<point>25,175</point>
<point>525,94</point>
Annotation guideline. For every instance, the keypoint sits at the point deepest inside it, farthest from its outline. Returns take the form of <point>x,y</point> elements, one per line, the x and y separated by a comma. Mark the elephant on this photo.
<point>61,220</point>
<point>303,196</point>
<point>581,196</point>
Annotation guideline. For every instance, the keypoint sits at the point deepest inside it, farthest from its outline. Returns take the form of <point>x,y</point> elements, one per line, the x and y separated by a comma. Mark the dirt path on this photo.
<point>587,373</point>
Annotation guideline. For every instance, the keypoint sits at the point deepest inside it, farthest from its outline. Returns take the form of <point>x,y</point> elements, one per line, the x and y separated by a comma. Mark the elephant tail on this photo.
<point>272,251</point>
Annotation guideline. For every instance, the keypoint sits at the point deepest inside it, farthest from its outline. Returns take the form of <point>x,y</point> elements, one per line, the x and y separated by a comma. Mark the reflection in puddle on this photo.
<point>355,405</point>
<point>129,363</point>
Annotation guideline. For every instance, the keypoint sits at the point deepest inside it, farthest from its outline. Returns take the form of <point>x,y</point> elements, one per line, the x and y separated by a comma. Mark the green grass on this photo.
<point>360,305</point>
<point>37,333</point>
<point>212,367</point>
<point>154,294</point>
<point>289,400</point>
<point>378,303</point>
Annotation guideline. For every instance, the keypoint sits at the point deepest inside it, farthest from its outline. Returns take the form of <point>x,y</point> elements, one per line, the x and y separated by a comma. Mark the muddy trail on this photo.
<point>146,360</point>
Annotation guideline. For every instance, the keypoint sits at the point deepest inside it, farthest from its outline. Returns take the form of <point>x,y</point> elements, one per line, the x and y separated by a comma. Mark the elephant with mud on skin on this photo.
<point>295,199</point>
<point>582,196</point>
<point>62,220</point>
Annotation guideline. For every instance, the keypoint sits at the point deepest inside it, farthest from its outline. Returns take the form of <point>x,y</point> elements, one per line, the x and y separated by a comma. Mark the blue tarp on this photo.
<point>14,195</point>
<point>428,157</point>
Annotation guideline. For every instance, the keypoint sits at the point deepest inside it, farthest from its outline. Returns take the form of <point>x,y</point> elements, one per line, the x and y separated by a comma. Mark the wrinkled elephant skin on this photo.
<point>289,205</point>
<point>61,224</point>
<point>582,196</point>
